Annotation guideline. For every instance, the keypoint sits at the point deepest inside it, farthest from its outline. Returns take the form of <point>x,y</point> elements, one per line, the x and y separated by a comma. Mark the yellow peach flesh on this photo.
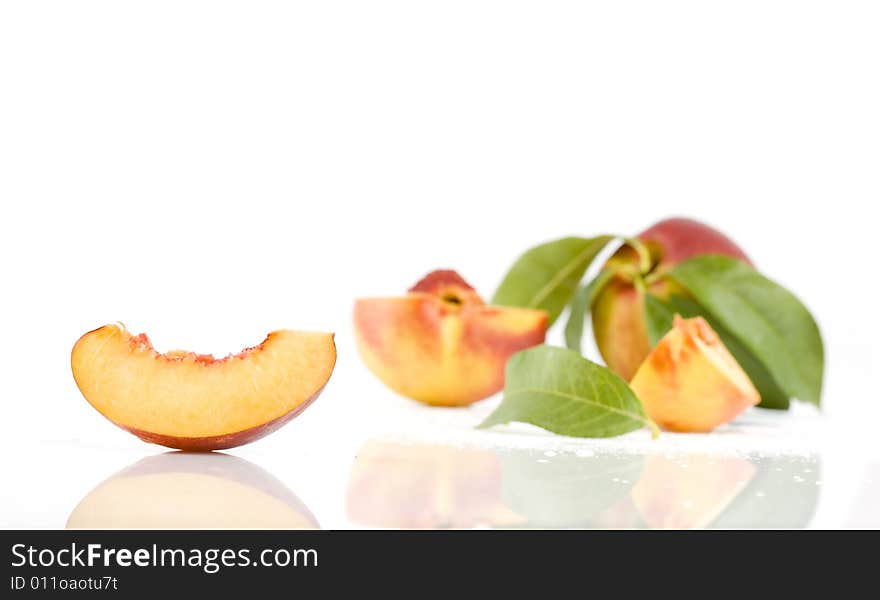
<point>690,381</point>
<point>189,401</point>
<point>440,352</point>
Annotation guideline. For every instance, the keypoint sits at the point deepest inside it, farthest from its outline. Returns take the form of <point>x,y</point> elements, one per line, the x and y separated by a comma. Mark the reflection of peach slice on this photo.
<point>440,344</point>
<point>425,486</point>
<point>690,382</point>
<point>191,491</point>
<point>689,492</point>
<point>621,515</point>
<point>194,401</point>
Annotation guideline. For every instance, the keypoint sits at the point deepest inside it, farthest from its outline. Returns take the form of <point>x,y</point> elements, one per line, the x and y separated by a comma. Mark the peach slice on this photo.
<point>441,344</point>
<point>690,381</point>
<point>196,402</point>
<point>191,491</point>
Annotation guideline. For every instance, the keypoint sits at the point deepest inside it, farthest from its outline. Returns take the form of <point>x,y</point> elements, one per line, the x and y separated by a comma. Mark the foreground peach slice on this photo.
<point>191,491</point>
<point>441,344</point>
<point>690,382</point>
<point>194,401</point>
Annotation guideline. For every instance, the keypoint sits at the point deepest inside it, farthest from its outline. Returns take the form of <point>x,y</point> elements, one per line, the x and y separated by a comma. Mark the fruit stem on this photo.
<point>655,276</point>
<point>639,284</point>
<point>645,262</point>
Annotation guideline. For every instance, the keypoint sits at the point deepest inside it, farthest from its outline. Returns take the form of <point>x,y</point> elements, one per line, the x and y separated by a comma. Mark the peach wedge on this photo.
<point>441,344</point>
<point>196,402</point>
<point>690,381</point>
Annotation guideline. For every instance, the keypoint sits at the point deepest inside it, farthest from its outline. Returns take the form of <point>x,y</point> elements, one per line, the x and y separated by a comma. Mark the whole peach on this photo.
<point>619,312</point>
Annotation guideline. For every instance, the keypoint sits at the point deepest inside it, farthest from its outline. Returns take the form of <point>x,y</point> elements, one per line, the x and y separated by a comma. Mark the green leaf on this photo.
<point>559,390</point>
<point>767,319</point>
<point>581,304</point>
<point>658,318</point>
<point>547,276</point>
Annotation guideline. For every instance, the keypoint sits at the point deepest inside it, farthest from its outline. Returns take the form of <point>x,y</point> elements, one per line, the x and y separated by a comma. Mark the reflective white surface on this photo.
<point>430,486</point>
<point>427,468</point>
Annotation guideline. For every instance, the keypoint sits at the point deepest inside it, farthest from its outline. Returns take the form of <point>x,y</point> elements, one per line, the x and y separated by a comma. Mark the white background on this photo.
<point>209,171</point>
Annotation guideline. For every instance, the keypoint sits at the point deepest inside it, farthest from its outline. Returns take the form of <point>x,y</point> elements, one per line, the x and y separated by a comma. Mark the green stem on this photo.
<point>639,283</point>
<point>645,262</point>
<point>655,276</point>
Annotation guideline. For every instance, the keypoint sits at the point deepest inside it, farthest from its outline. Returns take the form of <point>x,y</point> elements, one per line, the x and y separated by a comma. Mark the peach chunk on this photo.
<point>441,344</point>
<point>690,382</point>
<point>196,402</point>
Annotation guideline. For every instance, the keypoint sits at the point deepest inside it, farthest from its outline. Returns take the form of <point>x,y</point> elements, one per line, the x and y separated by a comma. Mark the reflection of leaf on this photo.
<point>783,494</point>
<point>546,276</point>
<point>565,490</point>
<point>658,320</point>
<point>768,319</point>
<point>561,391</point>
<point>581,304</point>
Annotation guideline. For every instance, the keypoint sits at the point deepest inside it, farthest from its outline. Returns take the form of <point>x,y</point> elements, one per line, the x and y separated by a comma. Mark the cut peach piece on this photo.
<point>191,491</point>
<point>690,382</point>
<point>194,401</point>
<point>441,344</point>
